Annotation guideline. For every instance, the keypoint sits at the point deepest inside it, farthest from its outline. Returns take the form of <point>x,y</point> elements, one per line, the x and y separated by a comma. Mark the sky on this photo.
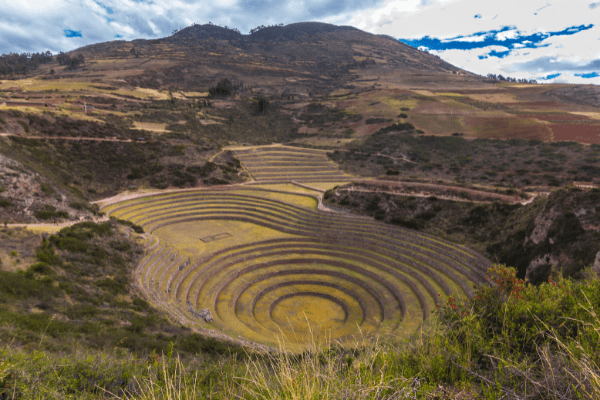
<point>550,41</point>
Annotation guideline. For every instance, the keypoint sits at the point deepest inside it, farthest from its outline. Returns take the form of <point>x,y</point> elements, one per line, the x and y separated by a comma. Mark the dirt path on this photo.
<point>68,138</point>
<point>414,194</point>
<point>59,225</point>
<point>403,158</point>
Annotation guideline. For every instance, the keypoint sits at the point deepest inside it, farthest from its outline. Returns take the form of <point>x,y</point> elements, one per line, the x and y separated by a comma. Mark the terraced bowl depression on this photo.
<point>272,164</point>
<point>270,268</point>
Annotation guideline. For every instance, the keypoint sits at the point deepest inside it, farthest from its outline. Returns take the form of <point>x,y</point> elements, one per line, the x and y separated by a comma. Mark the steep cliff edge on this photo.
<point>561,230</point>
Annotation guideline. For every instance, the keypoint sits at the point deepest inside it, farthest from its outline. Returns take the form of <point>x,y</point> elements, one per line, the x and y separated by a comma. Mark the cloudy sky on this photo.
<point>547,40</point>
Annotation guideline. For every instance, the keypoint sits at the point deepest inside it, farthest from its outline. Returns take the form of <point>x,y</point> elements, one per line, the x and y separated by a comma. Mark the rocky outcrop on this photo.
<point>543,222</point>
<point>28,192</point>
<point>564,235</point>
<point>597,264</point>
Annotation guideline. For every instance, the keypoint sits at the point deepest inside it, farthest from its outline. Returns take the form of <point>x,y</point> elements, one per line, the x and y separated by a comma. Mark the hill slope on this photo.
<point>299,57</point>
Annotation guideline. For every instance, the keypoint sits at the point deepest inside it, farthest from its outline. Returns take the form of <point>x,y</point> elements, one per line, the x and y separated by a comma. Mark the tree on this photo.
<point>62,58</point>
<point>262,104</point>
<point>223,89</point>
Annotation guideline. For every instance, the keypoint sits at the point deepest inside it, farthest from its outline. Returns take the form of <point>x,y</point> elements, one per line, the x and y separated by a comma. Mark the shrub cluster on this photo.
<point>397,127</point>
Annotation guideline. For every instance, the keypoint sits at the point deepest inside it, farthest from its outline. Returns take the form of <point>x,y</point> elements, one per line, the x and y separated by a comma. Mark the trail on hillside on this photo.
<point>68,138</point>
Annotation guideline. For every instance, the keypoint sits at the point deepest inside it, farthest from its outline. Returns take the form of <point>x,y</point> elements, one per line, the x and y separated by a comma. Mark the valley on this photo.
<point>305,187</point>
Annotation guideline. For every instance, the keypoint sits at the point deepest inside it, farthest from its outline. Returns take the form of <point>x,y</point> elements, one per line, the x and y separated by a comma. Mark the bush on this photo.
<point>4,203</point>
<point>25,126</point>
<point>141,304</point>
<point>72,244</point>
<point>46,254</point>
<point>47,189</point>
<point>45,215</point>
<point>202,171</point>
<point>41,268</point>
<point>136,228</point>
<point>198,344</point>
<point>398,127</point>
<point>262,104</point>
<point>509,308</point>
<point>371,121</point>
<point>410,223</point>
<point>23,286</point>
<point>113,286</point>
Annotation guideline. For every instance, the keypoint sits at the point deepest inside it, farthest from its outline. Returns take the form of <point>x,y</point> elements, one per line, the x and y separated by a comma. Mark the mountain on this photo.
<point>300,57</point>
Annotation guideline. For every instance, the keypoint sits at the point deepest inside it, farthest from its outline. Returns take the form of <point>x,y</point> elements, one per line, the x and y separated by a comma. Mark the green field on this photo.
<point>271,268</point>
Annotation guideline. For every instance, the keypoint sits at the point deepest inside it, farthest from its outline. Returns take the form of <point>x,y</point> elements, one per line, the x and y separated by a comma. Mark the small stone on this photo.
<point>596,267</point>
<point>205,315</point>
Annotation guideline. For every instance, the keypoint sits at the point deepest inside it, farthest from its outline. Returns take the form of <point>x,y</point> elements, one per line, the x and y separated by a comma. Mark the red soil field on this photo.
<point>508,128</point>
<point>582,133</point>
<point>554,117</point>
<point>542,105</point>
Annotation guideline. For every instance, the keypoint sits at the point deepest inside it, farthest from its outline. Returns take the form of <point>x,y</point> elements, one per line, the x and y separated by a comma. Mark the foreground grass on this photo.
<point>511,341</point>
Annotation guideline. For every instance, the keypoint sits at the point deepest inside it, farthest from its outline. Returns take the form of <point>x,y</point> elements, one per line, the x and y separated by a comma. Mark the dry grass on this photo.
<point>186,236</point>
<point>150,126</point>
<point>494,97</point>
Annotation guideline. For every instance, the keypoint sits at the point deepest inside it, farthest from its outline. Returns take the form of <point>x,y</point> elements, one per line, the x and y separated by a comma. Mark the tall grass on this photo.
<point>511,341</point>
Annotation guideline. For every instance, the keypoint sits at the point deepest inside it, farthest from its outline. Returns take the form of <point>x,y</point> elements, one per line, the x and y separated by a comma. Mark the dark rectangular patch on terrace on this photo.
<point>212,238</point>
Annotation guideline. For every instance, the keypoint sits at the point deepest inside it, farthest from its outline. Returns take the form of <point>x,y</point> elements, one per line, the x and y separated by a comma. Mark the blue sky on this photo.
<point>551,41</point>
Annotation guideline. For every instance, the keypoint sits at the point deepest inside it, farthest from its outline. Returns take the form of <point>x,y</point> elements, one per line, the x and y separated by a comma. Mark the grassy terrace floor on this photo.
<point>282,163</point>
<point>268,266</point>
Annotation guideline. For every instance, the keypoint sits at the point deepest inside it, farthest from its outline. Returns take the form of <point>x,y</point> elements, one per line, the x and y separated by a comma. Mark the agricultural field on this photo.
<point>209,199</point>
<point>270,268</point>
<point>277,164</point>
<point>503,111</point>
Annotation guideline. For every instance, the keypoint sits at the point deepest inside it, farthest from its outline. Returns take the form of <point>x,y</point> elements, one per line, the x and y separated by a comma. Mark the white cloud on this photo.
<point>507,35</point>
<point>455,18</point>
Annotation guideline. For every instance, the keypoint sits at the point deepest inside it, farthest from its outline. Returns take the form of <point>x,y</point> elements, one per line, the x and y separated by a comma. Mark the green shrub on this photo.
<point>410,223</point>
<point>406,126</point>
<point>140,304</point>
<point>45,215</point>
<point>371,121</point>
<point>82,311</point>
<point>21,286</point>
<point>72,244</point>
<point>511,312</point>
<point>136,228</point>
<point>41,268</point>
<point>223,89</point>
<point>4,203</point>
<point>25,125</point>
<point>77,205</point>
<point>47,189</point>
<point>199,344</point>
<point>113,286</point>
<point>120,245</point>
<point>46,254</point>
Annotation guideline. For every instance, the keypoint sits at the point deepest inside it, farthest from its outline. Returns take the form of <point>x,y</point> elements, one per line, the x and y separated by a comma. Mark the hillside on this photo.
<point>299,58</point>
<point>305,211</point>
